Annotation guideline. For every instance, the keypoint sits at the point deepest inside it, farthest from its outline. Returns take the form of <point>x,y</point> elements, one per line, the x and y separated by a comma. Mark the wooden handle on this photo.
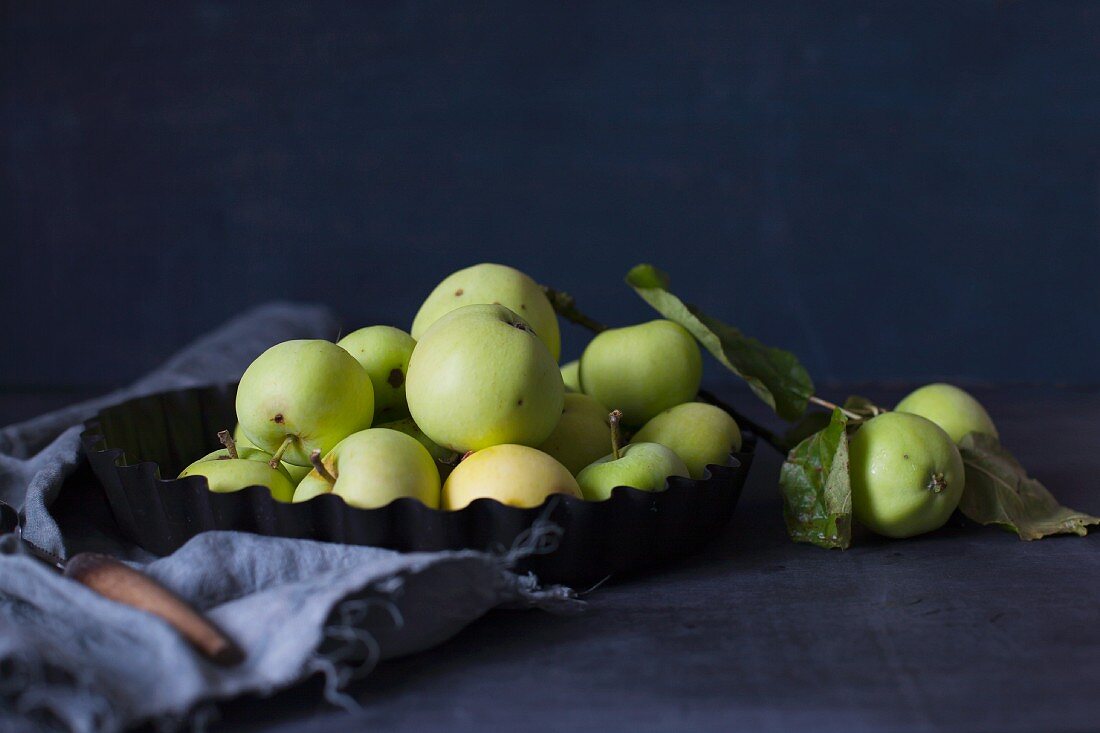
<point>112,579</point>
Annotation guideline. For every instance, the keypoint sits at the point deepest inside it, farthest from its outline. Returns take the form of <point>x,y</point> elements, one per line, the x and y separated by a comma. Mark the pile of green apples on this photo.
<point>472,404</point>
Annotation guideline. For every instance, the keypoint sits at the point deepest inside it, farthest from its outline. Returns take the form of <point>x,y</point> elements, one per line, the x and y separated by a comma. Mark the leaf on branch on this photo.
<point>775,376</point>
<point>817,493</point>
<point>999,491</point>
<point>813,422</point>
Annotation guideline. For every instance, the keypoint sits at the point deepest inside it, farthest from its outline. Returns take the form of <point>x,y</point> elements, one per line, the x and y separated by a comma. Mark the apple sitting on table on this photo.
<point>480,377</point>
<point>581,435</point>
<point>491,284</point>
<point>906,474</point>
<point>228,470</point>
<point>699,433</point>
<point>643,369</point>
<point>643,466</point>
<point>383,351</point>
<point>302,396</point>
<point>516,475</point>
<point>371,468</point>
<point>953,409</point>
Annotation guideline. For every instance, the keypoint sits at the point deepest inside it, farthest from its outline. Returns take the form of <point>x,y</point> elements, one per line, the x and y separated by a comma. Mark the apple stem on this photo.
<point>566,307</point>
<point>832,406</point>
<point>226,439</point>
<point>319,466</point>
<point>278,454</point>
<point>616,432</point>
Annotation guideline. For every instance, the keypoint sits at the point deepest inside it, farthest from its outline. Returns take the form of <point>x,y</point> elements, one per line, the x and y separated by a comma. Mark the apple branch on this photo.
<point>832,406</point>
<point>566,307</point>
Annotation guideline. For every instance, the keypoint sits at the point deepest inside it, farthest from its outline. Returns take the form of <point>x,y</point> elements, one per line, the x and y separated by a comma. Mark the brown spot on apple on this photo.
<point>459,292</point>
<point>279,418</point>
<point>396,378</point>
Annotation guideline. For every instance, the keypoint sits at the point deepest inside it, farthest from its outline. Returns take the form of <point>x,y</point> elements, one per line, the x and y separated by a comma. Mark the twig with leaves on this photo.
<point>814,480</point>
<point>566,307</point>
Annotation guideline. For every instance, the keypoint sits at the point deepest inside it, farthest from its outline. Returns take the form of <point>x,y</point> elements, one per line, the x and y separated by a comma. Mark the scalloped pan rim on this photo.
<point>629,532</point>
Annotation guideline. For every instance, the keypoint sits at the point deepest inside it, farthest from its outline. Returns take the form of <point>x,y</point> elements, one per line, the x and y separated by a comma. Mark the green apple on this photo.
<point>492,284</point>
<point>571,375</point>
<point>951,408</point>
<point>699,433</point>
<point>296,473</point>
<point>581,435</point>
<point>225,474</point>
<point>371,468</point>
<point>516,475</point>
<point>384,352</point>
<point>479,377</point>
<point>302,396</point>
<point>907,475</point>
<point>644,466</point>
<point>445,460</point>
<point>642,369</point>
<point>240,439</point>
<point>307,489</point>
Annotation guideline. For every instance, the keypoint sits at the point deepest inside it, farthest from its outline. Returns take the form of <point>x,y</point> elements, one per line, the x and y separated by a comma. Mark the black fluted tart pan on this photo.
<point>133,444</point>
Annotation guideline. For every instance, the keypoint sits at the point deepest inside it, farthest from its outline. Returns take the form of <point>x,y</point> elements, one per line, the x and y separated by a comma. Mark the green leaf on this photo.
<point>775,375</point>
<point>811,422</point>
<point>817,494</point>
<point>999,491</point>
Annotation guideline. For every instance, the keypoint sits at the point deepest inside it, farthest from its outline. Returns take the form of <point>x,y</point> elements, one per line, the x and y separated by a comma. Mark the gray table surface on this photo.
<point>967,628</point>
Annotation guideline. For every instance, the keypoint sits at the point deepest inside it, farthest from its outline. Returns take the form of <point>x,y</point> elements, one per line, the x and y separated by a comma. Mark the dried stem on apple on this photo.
<point>319,466</point>
<point>566,307</point>
<point>226,439</point>
<point>613,420</point>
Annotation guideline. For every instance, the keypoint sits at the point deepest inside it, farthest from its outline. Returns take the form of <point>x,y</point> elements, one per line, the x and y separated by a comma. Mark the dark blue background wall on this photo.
<point>893,190</point>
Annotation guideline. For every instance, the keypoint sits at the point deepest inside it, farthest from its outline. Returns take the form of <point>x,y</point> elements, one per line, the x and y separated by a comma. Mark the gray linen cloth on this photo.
<point>73,660</point>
